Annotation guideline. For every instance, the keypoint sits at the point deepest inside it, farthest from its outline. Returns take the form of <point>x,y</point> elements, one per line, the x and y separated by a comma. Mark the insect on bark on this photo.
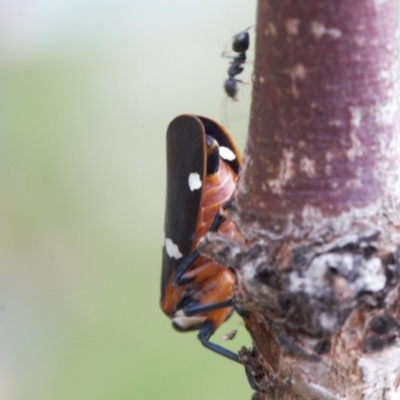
<point>202,169</point>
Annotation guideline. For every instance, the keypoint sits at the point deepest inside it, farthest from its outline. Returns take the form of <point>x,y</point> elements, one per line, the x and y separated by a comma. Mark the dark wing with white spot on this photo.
<point>224,139</point>
<point>186,155</point>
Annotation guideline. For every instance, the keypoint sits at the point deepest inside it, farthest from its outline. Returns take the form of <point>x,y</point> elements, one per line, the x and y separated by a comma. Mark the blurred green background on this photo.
<point>87,89</point>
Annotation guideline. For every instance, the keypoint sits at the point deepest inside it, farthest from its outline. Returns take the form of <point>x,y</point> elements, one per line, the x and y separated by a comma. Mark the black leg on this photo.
<point>199,309</point>
<point>204,336</point>
<point>219,218</point>
<point>250,379</point>
<point>186,264</point>
<point>194,309</point>
<point>239,311</point>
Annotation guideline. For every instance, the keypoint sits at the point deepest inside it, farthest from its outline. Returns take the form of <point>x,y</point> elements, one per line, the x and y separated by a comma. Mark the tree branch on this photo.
<point>317,203</point>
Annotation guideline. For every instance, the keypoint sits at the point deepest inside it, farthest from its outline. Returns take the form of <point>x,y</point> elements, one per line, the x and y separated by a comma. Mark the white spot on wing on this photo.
<point>226,154</point>
<point>194,181</point>
<point>172,249</point>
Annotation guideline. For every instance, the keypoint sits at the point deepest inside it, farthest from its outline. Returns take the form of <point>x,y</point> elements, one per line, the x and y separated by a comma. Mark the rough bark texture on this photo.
<point>318,203</point>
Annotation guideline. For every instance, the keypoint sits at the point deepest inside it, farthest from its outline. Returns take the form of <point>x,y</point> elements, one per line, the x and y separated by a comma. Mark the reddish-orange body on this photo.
<point>211,283</point>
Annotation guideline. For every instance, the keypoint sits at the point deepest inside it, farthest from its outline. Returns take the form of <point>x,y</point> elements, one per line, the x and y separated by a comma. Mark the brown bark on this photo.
<point>317,203</point>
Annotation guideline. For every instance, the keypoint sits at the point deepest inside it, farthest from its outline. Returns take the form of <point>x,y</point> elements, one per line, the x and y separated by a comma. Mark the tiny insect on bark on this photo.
<point>202,169</point>
<point>229,336</point>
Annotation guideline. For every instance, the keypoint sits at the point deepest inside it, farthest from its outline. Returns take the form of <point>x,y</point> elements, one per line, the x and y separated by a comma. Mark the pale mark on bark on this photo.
<point>334,185</point>
<point>354,183</point>
<point>308,167</point>
<point>379,3</point>
<point>327,322</point>
<point>386,113</point>
<point>335,122</point>
<point>311,215</point>
<point>318,30</point>
<point>355,120</point>
<point>285,173</point>
<point>292,26</point>
<point>374,275</point>
<point>329,156</point>
<point>385,74</point>
<point>359,40</point>
<point>356,115</point>
<point>297,73</point>
<point>270,29</point>
<point>380,374</point>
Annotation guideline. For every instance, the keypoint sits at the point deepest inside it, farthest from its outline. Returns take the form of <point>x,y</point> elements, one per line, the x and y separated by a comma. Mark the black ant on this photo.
<point>240,44</point>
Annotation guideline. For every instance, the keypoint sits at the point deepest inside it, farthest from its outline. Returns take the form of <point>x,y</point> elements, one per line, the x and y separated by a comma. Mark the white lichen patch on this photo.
<point>226,154</point>
<point>172,249</point>
<point>386,112</point>
<point>380,372</point>
<point>194,181</point>
<point>319,30</point>
<point>292,26</point>
<point>327,321</point>
<point>247,272</point>
<point>373,276</point>
<point>313,282</point>
<point>311,216</point>
<point>285,173</point>
<point>353,274</point>
<point>308,167</point>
